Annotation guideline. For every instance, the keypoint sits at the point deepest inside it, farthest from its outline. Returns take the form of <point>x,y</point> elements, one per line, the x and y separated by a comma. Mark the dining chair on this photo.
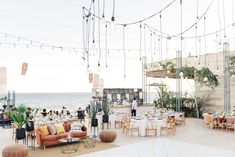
<point>132,127</point>
<point>181,119</point>
<point>151,128</point>
<point>230,124</point>
<point>170,127</point>
<point>118,122</point>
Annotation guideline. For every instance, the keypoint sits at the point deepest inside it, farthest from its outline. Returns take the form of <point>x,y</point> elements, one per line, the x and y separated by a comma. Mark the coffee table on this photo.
<point>69,145</point>
<point>89,142</point>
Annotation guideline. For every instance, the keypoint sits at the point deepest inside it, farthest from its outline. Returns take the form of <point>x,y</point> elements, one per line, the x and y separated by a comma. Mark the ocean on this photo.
<point>53,100</point>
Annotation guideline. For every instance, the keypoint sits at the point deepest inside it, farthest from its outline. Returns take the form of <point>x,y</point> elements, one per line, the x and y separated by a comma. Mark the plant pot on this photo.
<point>20,133</point>
<point>29,126</point>
<point>94,122</point>
<point>105,118</point>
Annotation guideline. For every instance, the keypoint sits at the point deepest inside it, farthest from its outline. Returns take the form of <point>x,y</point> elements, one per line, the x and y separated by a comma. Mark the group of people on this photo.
<point>124,102</point>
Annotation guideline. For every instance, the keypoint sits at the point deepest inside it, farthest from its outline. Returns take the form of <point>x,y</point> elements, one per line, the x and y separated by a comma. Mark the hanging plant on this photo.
<point>206,78</point>
<point>232,65</point>
<point>168,66</point>
<point>187,72</point>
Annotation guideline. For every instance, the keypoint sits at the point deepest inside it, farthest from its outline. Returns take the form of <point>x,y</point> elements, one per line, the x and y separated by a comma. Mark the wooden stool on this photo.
<point>15,150</point>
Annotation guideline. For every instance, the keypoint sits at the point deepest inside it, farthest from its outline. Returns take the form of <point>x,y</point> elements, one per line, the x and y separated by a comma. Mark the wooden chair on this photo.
<point>126,121</point>
<point>151,127</point>
<point>208,121</point>
<point>230,124</point>
<point>169,128</point>
<point>118,122</point>
<point>181,119</point>
<point>220,123</point>
<point>131,126</point>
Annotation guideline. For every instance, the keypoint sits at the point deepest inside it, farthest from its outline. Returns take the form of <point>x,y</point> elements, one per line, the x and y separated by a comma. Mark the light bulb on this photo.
<point>113,24</point>
<point>205,79</point>
<point>168,71</point>
<point>103,20</point>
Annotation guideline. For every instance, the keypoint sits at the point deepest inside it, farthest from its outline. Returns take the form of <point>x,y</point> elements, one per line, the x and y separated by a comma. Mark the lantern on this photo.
<point>24,68</point>
<point>90,77</point>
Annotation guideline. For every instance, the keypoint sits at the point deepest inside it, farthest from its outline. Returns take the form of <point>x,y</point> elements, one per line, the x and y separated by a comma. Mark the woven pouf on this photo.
<point>15,150</point>
<point>108,135</point>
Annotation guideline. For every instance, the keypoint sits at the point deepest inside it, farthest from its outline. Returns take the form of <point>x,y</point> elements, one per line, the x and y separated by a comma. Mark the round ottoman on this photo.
<point>108,135</point>
<point>15,150</point>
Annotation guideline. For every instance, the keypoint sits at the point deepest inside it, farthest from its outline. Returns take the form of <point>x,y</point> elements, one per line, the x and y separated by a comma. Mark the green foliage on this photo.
<point>169,66</point>
<point>93,111</point>
<point>210,81</point>
<point>105,106</point>
<point>167,99</point>
<point>19,115</point>
<point>188,71</point>
<point>165,96</point>
<point>232,65</point>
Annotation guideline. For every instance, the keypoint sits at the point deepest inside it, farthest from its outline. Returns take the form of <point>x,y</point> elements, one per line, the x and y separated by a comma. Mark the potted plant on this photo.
<point>94,120</point>
<point>19,117</point>
<point>29,125</point>
<point>106,109</point>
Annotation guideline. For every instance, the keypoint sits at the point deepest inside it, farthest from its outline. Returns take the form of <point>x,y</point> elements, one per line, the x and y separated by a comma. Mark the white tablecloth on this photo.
<point>142,124</point>
<point>112,118</point>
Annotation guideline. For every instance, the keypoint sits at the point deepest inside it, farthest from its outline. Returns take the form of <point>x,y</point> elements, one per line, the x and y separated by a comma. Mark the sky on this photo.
<point>55,23</point>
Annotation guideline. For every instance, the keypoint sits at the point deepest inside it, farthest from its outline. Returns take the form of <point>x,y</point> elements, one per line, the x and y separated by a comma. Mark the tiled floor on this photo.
<point>163,147</point>
<point>191,140</point>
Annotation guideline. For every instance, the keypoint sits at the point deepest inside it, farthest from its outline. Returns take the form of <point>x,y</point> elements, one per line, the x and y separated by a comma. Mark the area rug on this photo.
<point>56,150</point>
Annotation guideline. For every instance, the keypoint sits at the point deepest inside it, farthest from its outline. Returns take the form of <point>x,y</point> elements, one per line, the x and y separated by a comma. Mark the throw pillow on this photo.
<point>51,129</point>
<point>43,129</point>
<point>75,128</point>
<point>59,128</point>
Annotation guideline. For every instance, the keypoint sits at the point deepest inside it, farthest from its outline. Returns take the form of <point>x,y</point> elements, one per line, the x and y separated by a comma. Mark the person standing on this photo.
<point>134,107</point>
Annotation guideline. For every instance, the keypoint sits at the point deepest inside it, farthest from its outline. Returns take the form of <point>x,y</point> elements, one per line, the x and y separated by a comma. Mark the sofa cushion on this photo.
<point>78,134</point>
<point>49,138</point>
<point>51,129</point>
<point>67,126</point>
<point>43,130</point>
<point>62,135</point>
<point>59,128</point>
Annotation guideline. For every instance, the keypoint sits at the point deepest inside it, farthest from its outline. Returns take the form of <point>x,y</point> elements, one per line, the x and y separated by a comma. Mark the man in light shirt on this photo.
<point>133,107</point>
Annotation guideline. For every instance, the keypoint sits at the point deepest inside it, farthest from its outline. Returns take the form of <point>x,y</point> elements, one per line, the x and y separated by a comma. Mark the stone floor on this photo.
<point>192,139</point>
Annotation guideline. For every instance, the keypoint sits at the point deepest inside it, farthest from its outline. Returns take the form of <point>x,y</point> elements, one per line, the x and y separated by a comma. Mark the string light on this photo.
<point>224,19</point>
<point>103,20</point>
<point>140,41</point>
<point>205,64</point>
<point>124,51</point>
<point>113,24</point>
<point>99,60</point>
<point>106,47</point>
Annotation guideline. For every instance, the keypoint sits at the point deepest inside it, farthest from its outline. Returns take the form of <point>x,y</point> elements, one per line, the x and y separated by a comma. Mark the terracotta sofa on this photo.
<point>49,140</point>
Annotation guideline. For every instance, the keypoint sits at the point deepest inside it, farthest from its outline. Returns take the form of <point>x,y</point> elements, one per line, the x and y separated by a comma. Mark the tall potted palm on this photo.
<point>19,117</point>
<point>94,120</point>
<point>106,109</point>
